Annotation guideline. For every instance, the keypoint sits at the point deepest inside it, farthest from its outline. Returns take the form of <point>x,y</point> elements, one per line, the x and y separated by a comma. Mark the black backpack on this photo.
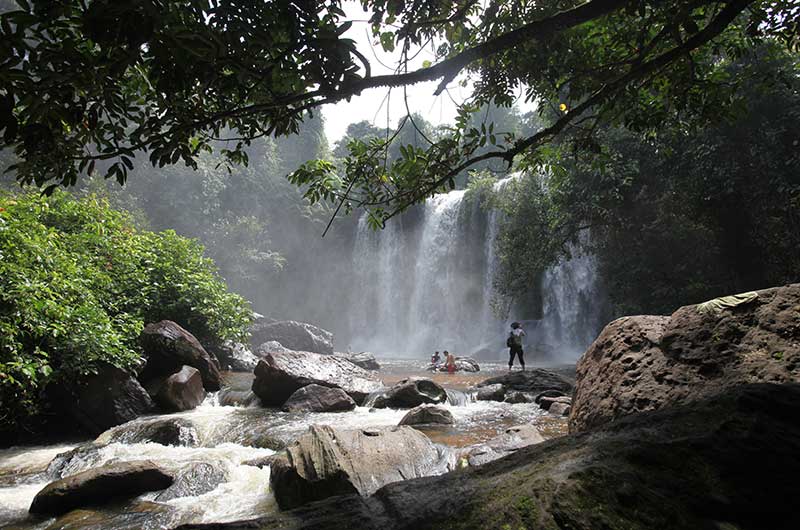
<point>510,341</point>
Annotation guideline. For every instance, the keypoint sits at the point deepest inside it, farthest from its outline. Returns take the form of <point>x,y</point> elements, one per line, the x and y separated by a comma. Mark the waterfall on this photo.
<point>425,283</point>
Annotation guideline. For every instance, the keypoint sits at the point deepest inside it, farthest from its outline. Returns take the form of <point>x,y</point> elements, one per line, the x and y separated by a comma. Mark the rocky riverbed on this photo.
<point>216,453</point>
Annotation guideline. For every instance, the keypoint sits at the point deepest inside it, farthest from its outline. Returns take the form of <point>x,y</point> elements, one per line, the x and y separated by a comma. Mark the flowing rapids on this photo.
<point>228,438</point>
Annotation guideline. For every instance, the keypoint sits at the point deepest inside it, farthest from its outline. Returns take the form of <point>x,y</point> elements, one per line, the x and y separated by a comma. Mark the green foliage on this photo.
<point>77,285</point>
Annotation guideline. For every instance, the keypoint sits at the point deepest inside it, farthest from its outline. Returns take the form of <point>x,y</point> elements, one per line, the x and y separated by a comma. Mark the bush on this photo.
<point>77,285</point>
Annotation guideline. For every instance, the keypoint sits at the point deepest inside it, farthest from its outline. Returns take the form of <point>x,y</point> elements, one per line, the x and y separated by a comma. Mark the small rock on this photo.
<point>518,397</point>
<point>427,415</point>
<point>546,402</point>
<point>495,392</point>
<point>199,478</point>
<point>560,409</point>
<point>182,390</point>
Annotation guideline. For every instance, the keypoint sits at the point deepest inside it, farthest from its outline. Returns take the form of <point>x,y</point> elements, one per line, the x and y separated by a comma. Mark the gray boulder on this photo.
<point>182,390</point>
<point>546,402</point>
<point>495,392</point>
<point>99,486</point>
<point>102,400</point>
<point>317,398</point>
<point>233,356</point>
<point>160,430</point>
<point>513,439</point>
<point>364,359</point>
<point>518,397</point>
<point>167,347</point>
<point>427,415</point>
<point>279,375</point>
<point>409,393</point>
<point>560,409</point>
<point>327,462</point>
<point>298,336</point>
<point>272,346</point>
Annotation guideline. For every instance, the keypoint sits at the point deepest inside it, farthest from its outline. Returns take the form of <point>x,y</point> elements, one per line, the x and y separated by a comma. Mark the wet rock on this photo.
<point>643,363</point>
<point>533,381</point>
<point>199,478</point>
<point>495,392</point>
<point>298,336</point>
<point>279,375</point>
<point>233,356</point>
<point>164,431</point>
<point>641,469</point>
<point>237,398</point>
<point>97,402</point>
<point>167,347</point>
<point>180,391</point>
<point>409,393</point>
<point>99,485</point>
<point>316,398</point>
<point>133,515</point>
<point>546,402</point>
<point>427,415</point>
<point>327,461</point>
<point>69,462</point>
<point>518,397</point>
<point>364,359</point>
<point>513,439</point>
<point>548,394</point>
<point>463,364</point>
<point>262,462</point>
<point>560,409</point>
<point>272,346</point>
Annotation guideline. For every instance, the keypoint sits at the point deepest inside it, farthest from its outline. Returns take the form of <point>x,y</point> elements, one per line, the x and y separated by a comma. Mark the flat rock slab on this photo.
<point>327,462</point>
<point>532,380</point>
<point>99,486</point>
<point>279,375</point>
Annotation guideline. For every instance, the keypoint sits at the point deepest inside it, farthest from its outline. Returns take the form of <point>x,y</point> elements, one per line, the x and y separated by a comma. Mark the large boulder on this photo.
<point>198,478</point>
<point>364,359</point>
<point>643,363</point>
<point>100,401</point>
<point>327,461</point>
<point>317,398</point>
<point>279,375</point>
<point>725,462</point>
<point>409,393</point>
<point>99,485</point>
<point>182,390</point>
<point>427,415</point>
<point>532,381</point>
<point>493,392</point>
<point>233,356</point>
<point>272,346</point>
<point>167,347</point>
<point>298,336</point>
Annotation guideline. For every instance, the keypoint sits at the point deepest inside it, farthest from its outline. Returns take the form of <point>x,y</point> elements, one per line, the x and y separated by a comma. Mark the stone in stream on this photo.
<point>546,402</point>
<point>409,393</point>
<point>427,415</point>
<point>298,336</point>
<point>727,461</point>
<point>99,486</point>
<point>180,391</point>
<point>328,461</point>
<point>233,356</point>
<point>495,392</point>
<point>532,381</point>
<point>513,439</point>
<point>279,375</point>
<point>644,363</point>
<point>160,430</point>
<point>560,409</point>
<point>317,398</point>
<point>364,359</point>
<point>199,478</point>
<point>102,400</point>
<point>167,347</point>
<point>518,397</point>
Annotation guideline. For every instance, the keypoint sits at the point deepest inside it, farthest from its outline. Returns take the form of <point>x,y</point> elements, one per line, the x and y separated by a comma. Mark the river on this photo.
<point>226,439</point>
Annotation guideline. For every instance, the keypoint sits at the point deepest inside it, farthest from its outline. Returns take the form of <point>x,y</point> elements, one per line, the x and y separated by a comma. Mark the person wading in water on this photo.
<point>450,359</point>
<point>514,343</point>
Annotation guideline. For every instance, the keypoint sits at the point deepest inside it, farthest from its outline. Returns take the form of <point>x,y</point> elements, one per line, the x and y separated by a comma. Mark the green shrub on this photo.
<point>77,285</point>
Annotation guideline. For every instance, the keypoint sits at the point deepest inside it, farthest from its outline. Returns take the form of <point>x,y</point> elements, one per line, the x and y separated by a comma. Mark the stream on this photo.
<point>222,441</point>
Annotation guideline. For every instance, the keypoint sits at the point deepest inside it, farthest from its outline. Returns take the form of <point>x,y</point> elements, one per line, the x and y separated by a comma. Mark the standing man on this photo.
<point>514,343</point>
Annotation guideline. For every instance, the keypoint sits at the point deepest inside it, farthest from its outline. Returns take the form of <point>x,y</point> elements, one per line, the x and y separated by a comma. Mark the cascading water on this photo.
<point>430,287</point>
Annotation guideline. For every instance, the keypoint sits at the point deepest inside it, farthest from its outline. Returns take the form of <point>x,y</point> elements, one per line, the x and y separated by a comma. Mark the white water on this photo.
<point>427,284</point>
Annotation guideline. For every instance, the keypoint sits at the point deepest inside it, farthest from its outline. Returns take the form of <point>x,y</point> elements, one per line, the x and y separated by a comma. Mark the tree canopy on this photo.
<point>88,85</point>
